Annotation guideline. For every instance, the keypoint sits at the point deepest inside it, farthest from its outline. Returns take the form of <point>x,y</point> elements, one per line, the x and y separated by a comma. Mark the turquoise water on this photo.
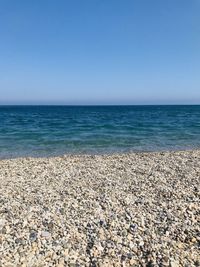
<point>56,130</point>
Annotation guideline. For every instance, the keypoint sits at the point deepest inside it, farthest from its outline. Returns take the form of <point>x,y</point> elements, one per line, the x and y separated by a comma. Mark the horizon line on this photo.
<point>174,104</point>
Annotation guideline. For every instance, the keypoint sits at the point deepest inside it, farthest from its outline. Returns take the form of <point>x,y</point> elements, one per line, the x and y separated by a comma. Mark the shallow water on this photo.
<point>56,130</point>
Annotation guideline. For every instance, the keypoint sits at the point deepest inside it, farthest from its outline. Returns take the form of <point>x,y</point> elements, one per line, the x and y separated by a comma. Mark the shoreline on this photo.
<point>90,154</point>
<point>129,209</point>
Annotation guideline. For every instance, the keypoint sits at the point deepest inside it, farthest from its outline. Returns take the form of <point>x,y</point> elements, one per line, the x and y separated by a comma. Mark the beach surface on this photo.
<point>137,209</point>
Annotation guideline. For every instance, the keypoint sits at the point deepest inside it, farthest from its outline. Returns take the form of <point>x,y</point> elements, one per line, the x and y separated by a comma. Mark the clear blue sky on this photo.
<point>99,51</point>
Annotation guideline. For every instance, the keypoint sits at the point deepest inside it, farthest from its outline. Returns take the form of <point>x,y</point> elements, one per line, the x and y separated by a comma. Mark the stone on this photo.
<point>45,234</point>
<point>33,236</point>
<point>174,263</point>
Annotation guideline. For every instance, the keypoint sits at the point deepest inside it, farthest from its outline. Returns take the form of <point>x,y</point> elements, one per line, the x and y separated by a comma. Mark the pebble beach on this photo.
<point>134,209</point>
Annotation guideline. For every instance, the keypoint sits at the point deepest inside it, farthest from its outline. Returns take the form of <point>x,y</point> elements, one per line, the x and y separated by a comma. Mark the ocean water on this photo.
<point>57,130</point>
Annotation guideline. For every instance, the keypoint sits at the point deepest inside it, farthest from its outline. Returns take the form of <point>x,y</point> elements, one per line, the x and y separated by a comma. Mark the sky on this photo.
<point>100,52</point>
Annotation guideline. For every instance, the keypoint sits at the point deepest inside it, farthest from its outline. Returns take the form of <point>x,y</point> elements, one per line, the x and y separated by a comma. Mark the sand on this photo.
<point>138,209</point>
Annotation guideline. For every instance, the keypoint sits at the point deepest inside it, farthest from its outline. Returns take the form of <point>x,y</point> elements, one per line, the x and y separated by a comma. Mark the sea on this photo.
<point>42,131</point>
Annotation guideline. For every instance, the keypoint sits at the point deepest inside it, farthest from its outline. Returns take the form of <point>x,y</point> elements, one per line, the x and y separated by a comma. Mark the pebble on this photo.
<point>45,234</point>
<point>33,236</point>
<point>174,263</point>
<point>133,209</point>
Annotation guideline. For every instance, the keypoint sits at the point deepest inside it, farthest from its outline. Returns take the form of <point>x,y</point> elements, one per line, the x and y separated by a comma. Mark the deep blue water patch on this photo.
<point>57,130</point>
